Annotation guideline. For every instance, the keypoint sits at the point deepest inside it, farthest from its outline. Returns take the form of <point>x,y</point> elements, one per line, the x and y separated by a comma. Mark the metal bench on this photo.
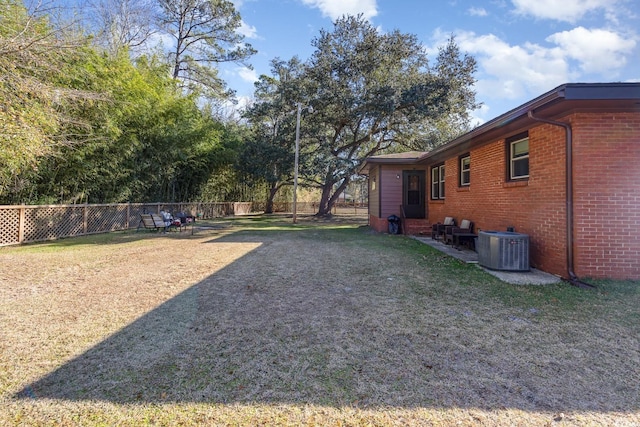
<point>151,222</point>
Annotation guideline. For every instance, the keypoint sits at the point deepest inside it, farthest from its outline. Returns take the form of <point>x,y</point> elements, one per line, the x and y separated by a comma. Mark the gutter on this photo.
<point>498,122</point>
<point>565,92</point>
<point>573,279</point>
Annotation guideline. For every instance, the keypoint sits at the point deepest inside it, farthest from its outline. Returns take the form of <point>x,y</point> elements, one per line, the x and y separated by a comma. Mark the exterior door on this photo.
<point>413,193</point>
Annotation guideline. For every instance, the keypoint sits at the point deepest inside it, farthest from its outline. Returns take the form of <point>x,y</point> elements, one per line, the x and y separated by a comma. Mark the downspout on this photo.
<point>573,279</point>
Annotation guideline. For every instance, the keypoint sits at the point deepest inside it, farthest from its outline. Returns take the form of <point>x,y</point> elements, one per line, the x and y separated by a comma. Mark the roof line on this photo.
<point>505,118</point>
<point>567,91</point>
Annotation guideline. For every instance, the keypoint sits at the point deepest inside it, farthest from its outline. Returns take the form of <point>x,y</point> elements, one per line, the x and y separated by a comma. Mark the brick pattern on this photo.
<point>606,203</point>
<point>607,194</point>
<point>415,226</point>
<point>410,226</point>
<point>378,224</point>
<point>534,206</point>
<point>606,154</point>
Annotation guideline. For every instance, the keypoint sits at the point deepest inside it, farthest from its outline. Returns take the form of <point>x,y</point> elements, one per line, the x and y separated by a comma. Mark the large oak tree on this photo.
<point>266,156</point>
<point>376,91</point>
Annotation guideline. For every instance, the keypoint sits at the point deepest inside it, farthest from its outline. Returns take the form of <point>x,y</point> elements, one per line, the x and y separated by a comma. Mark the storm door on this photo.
<point>413,193</point>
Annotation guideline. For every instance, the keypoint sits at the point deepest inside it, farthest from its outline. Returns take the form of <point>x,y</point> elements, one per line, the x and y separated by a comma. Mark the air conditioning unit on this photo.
<point>503,250</point>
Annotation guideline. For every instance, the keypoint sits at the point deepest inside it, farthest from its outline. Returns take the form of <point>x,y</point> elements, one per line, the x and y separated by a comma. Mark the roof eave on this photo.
<point>566,92</point>
<point>502,120</point>
<point>382,160</point>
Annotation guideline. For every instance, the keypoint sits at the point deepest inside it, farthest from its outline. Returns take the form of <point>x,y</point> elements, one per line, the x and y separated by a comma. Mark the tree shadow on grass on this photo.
<point>277,326</point>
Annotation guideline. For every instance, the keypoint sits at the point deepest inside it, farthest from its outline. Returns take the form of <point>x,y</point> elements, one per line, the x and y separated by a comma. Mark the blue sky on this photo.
<point>523,47</point>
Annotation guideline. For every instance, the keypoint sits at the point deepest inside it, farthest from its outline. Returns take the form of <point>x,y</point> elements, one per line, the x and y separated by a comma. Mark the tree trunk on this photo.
<point>176,63</point>
<point>324,208</point>
<point>327,200</point>
<point>272,194</point>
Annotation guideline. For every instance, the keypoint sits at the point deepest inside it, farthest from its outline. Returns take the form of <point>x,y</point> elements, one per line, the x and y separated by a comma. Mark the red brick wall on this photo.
<point>534,207</point>
<point>415,226</point>
<point>607,194</point>
<point>409,226</point>
<point>378,224</point>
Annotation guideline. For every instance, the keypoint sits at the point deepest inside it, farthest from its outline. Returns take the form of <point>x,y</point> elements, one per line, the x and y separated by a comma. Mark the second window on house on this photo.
<point>437,182</point>
<point>465,170</point>
<point>518,147</point>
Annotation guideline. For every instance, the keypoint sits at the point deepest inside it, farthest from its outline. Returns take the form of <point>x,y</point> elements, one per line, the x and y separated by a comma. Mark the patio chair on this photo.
<point>183,220</point>
<point>463,234</point>
<point>171,222</point>
<point>185,217</point>
<point>437,230</point>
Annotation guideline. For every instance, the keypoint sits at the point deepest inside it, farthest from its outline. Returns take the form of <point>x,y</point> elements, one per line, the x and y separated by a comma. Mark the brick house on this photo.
<point>563,168</point>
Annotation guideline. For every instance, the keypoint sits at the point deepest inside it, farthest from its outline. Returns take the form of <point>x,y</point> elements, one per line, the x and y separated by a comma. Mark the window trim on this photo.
<point>510,144</point>
<point>461,159</point>
<point>437,182</point>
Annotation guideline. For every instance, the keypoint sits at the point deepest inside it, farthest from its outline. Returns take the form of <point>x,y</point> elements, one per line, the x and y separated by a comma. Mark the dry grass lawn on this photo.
<point>258,322</point>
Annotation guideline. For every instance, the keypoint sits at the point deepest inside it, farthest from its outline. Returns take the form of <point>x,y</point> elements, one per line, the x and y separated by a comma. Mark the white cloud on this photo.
<point>564,10</point>
<point>247,74</point>
<point>249,31</point>
<point>510,74</point>
<point>597,50</point>
<point>334,9</point>
<point>477,11</point>
<point>480,115</point>
<point>513,72</point>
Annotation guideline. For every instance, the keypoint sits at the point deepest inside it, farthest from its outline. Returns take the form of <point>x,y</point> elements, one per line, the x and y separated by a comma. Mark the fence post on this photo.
<point>85,219</point>
<point>126,227</point>
<point>21,224</point>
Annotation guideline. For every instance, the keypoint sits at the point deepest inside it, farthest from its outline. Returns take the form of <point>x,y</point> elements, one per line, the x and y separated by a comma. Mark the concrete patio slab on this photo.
<point>533,277</point>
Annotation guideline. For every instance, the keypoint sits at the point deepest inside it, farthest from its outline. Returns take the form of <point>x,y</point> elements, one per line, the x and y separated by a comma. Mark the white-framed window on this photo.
<point>465,170</point>
<point>519,157</point>
<point>437,182</point>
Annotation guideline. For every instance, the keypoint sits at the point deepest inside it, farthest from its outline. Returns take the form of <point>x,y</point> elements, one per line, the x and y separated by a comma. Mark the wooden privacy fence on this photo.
<point>22,224</point>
